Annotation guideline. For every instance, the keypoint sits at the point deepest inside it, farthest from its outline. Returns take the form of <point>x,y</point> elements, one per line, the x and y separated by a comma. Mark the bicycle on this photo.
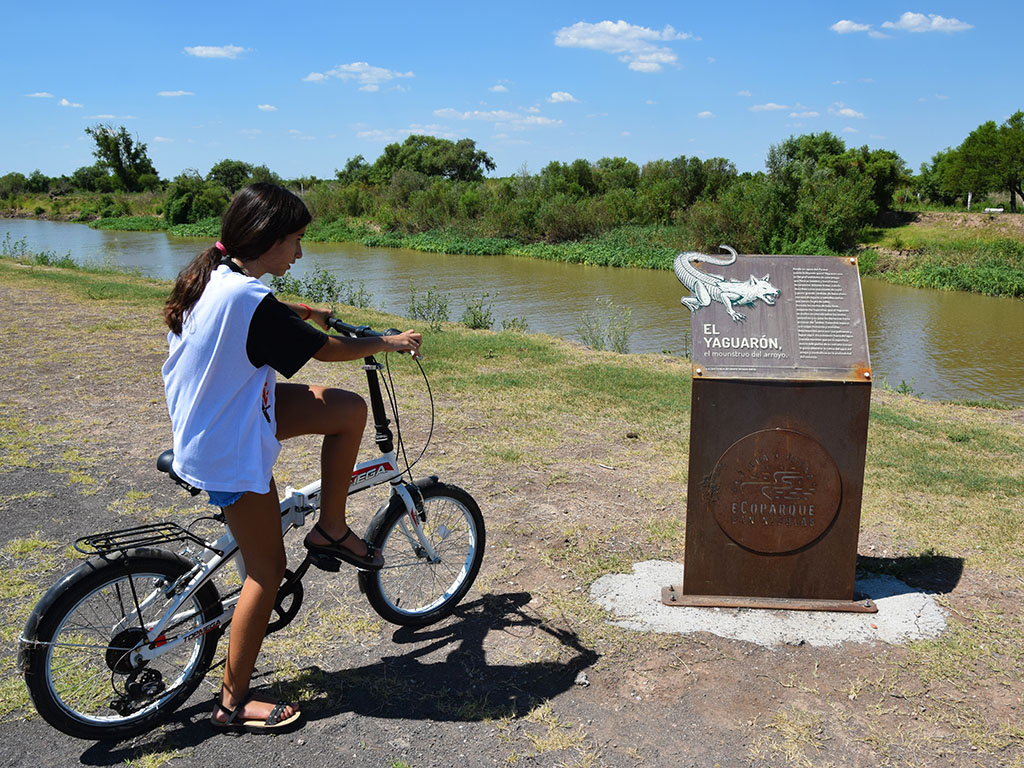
<point>124,639</point>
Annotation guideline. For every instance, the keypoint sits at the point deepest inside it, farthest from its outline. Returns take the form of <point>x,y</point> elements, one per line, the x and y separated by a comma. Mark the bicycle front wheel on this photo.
<point>420,585</point>
<point>80,669</point>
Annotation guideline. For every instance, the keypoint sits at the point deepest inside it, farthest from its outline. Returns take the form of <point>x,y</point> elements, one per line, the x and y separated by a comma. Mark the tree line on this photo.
<point>814,195</point>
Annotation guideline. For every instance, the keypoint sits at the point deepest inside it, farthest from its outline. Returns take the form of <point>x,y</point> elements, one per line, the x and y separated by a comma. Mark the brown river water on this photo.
<point>944,345</point>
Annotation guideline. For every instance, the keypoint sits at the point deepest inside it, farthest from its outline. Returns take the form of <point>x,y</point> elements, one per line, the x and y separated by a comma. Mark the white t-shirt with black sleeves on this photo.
<point>219,379</point>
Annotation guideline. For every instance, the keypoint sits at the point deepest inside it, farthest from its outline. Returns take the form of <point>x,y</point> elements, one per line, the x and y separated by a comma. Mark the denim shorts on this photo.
<point>224,498</point>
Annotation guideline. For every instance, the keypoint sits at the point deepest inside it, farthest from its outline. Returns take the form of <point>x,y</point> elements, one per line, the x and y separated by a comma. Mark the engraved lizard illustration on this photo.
<point>706,288</point>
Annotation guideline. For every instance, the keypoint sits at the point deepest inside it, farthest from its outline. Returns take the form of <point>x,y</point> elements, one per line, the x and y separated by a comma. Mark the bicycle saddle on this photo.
<point>164,463</point>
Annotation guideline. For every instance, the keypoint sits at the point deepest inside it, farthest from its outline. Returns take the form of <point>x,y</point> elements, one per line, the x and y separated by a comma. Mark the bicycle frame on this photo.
<point>295,507</point>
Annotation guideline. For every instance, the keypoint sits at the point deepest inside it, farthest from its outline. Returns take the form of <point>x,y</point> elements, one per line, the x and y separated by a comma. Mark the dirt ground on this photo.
<point>528,672</point>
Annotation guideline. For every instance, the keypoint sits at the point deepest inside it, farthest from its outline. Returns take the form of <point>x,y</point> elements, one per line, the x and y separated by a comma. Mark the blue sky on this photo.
<point>303,86</point>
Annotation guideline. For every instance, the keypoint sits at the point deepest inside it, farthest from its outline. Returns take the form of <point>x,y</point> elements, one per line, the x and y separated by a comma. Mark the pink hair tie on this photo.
<point>220,247</point>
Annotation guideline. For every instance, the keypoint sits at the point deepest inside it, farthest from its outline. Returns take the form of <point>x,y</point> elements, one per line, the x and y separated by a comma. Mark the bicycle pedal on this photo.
<point>324,562</point>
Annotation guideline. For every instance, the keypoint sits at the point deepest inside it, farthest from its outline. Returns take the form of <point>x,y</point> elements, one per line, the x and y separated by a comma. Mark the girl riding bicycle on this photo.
<point>228,336</point>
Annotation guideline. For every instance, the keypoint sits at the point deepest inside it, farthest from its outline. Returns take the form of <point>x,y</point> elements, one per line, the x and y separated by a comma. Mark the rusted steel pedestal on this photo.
<point>777,444</point>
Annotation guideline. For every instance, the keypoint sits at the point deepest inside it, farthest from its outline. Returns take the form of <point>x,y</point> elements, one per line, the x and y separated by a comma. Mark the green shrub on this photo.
<point>432,308</point>
<point>131,224</point>
<point>477,313</point>
<point>514,324</point>
<point>190,199</point>
<point>609,327</point>
<point>207,228</point>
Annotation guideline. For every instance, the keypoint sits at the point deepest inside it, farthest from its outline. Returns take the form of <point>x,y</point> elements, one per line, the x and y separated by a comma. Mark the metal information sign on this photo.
<point>778,431</point>
<point>802,318</point>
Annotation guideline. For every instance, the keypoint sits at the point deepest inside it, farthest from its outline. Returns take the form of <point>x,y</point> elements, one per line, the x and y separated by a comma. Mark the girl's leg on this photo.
<point>340,416</point>
<point>255,522</point>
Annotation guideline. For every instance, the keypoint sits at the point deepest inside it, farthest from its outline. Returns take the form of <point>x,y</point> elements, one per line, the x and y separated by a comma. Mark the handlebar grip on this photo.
<point>357,331</point>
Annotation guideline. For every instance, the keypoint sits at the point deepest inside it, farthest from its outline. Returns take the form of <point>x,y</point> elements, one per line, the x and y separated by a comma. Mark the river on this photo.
<point>944,345</point>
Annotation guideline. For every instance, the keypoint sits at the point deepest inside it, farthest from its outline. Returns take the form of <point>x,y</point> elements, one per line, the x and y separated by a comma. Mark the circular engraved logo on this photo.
<point>774,491</point>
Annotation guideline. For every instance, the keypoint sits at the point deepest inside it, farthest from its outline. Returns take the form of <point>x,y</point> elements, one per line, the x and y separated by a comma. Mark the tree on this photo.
<point>37,182</point>
<point>123,156</point>
<point>617,173</point>
<point>12,184</point>
<point>991,158</point>
<point>230,174</point>
<point>92,178</point>
<point>261,173</point>
<point>884,170</point>
<point>1011,134</point>
<point>431,156</point>
<point>191,199</point>
<point>356,170</point>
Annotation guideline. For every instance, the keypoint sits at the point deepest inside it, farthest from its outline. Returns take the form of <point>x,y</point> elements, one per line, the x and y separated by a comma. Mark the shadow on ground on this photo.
<point>929,572</point>
<point>442,675</point>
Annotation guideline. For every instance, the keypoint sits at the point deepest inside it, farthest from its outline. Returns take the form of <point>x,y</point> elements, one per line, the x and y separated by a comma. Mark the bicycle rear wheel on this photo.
<point>80,638</point>
<point>411,589</point>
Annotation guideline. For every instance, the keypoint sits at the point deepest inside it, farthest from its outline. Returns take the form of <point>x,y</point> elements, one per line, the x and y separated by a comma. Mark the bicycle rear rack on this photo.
<point>140,536</point>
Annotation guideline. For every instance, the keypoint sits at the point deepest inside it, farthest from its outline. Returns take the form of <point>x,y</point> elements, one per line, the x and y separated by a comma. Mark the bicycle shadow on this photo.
<point>445,676</point>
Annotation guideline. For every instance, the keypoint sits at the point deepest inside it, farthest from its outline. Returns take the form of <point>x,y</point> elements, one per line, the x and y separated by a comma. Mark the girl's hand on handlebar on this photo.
<point>404,342</point>
<point>320,317</point>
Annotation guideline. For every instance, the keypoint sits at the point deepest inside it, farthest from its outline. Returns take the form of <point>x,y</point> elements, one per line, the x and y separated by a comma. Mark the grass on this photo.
<point>942,254</point>
<point>943,481</point>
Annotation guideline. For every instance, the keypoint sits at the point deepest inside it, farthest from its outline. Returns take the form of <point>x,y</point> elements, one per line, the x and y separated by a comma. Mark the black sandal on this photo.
<point>371,561</point>
<point>273,722</point>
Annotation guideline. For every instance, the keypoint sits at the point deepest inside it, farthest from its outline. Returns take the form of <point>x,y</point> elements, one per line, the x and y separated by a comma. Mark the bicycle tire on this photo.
<point>77,641</point>
<point>410,590</point>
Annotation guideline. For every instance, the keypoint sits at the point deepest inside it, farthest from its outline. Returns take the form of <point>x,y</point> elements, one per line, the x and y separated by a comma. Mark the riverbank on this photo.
<point>978,253</point>
<point>578,459</point>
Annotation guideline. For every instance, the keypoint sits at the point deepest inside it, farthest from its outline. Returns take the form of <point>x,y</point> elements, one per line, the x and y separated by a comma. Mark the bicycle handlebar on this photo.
<point>358,331</point>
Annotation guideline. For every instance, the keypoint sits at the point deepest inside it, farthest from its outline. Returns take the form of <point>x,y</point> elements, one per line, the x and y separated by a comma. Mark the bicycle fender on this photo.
<point>396,499</point>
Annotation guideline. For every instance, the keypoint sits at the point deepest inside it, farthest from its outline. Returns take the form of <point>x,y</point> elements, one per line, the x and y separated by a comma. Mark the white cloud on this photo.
<point>399,134</point>
<point>849,129</point>
<point>743,93</point>
<point>101,117</point>
<point>842,110</point>
<point>846,27</point>
<point>919,22</point>
<point>499,88</point>
<point>562,96</point>
<point>39,95</point>
<point>705,114</point>
<point>369,77</point>
<point>650,101</point>
<point>175,93</point>
<point>712,59</point>
<point>626,133</point>
<point>66,103</point>
<point>771,106</point>
<point>808,113</point>
<point>250,131</point>
<point>162,140</point>
<point>503,119</point>
<point>214,51</point>
<point>636,46</point>
<point>266,108</point>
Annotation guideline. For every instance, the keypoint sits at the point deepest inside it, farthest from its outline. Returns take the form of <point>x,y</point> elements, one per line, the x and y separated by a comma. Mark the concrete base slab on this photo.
<point>903,613</point>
